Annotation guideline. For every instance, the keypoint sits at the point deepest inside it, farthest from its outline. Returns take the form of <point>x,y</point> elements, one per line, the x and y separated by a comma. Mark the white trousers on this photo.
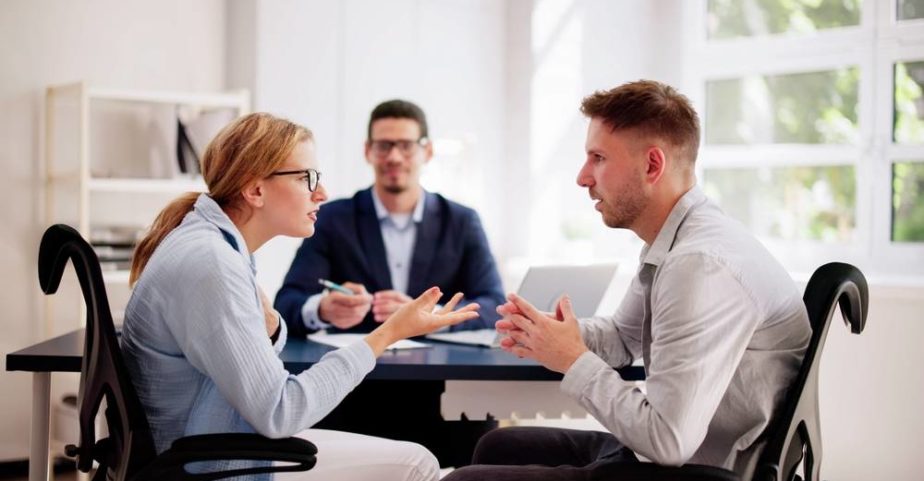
<point>346,456</point>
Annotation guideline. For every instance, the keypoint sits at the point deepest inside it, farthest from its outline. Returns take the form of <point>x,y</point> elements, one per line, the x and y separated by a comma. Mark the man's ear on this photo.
<point>656,164</point>
<point>254,194</point>
<point>367,151</point>
<point>428,151</point>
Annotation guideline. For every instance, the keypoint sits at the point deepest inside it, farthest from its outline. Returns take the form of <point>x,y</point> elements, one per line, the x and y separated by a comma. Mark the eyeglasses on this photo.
<point>381,148</point>
<point>311,177</point>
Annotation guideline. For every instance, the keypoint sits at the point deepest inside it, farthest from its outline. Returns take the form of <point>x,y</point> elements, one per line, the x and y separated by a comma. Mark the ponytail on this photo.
<point>166,221</point>
<point>249,148</point>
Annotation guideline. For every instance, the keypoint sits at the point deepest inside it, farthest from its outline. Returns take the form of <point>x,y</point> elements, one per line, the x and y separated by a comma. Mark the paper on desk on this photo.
<point>343,340</point>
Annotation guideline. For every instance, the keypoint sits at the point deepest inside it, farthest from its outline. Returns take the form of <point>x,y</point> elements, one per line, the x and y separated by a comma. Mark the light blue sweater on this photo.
<point>196,346</point>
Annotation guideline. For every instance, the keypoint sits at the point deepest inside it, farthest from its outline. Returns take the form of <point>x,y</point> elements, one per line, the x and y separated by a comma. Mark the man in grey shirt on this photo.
<point>719,324</point>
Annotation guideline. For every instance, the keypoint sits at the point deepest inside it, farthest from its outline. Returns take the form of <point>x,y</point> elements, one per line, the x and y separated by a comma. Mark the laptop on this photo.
<point>542,287</point>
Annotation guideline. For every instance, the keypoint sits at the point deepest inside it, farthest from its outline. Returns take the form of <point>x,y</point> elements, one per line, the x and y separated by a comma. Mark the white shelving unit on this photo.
<point>91,135</point>
<point>111,161</point>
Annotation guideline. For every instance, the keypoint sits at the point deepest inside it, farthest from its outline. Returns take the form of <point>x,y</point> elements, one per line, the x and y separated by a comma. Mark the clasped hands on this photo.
<point>552,339</point>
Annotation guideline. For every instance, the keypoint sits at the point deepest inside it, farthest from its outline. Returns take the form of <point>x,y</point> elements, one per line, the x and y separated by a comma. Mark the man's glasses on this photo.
<point>311,177</point>
<point>382,148</point>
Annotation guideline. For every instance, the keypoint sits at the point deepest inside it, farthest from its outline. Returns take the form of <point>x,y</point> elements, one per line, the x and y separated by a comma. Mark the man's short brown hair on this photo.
<point>651,108</point>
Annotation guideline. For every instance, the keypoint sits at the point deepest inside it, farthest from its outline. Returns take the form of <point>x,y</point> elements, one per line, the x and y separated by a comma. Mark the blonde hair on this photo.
<point>248,149</point>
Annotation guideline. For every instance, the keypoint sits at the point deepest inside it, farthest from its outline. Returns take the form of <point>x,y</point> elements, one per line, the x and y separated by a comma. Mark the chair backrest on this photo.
<point>795,435</point>
<point>130,445</point>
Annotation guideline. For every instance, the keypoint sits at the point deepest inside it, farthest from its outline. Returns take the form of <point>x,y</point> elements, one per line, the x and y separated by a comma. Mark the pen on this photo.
<point>335,287</point>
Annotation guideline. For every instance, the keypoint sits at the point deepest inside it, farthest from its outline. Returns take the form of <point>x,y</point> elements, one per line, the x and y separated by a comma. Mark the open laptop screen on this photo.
<point>542,286</point>
<point>586,284</point>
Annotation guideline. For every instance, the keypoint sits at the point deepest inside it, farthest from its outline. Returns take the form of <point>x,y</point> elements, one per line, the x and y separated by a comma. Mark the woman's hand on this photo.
<point>269,314</point>
<point>417,318</point>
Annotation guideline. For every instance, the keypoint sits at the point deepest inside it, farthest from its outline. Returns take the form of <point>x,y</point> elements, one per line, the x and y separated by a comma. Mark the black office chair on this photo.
<point>793,439</point>
<point>128,453</point>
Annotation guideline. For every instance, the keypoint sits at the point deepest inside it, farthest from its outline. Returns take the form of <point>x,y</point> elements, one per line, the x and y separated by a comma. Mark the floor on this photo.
<point>19,471</point>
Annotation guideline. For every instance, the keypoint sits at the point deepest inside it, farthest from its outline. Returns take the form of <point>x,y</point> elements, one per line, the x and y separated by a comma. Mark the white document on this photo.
<point>343,340</point>
<point>480,337</point>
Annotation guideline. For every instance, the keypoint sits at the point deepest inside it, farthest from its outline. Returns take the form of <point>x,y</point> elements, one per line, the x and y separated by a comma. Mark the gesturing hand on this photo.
<point>417,318</point>
<point>555,342</point>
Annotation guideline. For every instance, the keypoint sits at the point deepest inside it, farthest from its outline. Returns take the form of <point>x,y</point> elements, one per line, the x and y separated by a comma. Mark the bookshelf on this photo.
<point>112,161</point>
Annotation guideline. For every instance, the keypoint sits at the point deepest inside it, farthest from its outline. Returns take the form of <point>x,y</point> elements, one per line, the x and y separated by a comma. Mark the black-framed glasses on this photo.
<point>381,148</point>
<point>311,177</point>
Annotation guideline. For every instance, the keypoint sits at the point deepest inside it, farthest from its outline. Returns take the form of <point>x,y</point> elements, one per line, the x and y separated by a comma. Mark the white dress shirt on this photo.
<point>399,231</point>
<point>722,330</point>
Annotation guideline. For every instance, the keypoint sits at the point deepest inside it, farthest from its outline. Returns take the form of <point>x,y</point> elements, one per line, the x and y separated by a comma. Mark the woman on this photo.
<point>201,339</point>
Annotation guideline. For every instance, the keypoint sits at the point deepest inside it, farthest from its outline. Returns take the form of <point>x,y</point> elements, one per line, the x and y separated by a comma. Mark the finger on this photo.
<point>507,342</point>
<point>507,308</point>
<point>558,313</point>
<point>473,307</point>
<point>456,317</point>
<point>520,351</point>
<point>381,296</point>
<point>519,337</point>
<point>566,309</point>
<point>384,307</point>
<point>504,325</point>
<point>350,301</point>
<point>449,306</point>
<point>428,299</point>
<point>357,288</point>
<point>521,323</point>
<point>525,307</point>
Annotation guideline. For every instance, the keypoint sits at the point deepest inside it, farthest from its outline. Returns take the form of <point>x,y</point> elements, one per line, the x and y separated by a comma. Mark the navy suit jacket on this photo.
<point>450,251</point>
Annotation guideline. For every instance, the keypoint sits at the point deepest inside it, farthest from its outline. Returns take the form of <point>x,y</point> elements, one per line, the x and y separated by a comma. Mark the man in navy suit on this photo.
<point>390,242</point>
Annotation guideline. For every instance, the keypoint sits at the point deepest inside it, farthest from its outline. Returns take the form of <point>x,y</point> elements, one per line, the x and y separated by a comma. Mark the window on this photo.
<point>813,126</point>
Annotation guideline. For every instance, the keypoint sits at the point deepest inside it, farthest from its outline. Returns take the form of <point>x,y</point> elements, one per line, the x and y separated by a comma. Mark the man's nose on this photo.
<point>584,179</point>
<point>394,154</point>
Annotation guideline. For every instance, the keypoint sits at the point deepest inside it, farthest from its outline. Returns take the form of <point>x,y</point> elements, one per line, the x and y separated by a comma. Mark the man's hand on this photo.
<point>269,315</point>
<point>417,318</point>
<point>385,303</point>
<point>555,342</point>
<point>343,310</point>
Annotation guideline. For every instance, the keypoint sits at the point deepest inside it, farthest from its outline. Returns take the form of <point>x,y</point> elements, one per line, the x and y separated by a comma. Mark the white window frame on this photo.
<point>873,47</point>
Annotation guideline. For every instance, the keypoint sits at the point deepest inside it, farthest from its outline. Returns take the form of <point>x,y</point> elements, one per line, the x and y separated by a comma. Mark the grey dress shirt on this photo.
<point>722,330</point>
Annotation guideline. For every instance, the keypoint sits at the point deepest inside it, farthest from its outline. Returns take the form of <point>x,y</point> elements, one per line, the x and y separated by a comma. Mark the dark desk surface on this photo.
<point>441,361</point>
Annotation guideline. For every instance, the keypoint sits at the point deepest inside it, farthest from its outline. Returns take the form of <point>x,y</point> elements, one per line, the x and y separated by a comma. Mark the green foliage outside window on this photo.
<point>803,108</point>
<point>909,103</point>
<point>743,18</point>
<point>910,9</point>
<point>907,203</point>
<point>791,203</point>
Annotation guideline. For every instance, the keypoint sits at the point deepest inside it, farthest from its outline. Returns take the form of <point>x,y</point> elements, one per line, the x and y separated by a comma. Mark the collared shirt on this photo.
<point>722,330</point>
<point>399,232</point>
<point>196,347</point>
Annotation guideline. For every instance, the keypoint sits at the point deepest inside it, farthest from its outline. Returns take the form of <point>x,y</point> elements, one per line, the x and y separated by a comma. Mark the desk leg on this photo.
<point>41,406</point>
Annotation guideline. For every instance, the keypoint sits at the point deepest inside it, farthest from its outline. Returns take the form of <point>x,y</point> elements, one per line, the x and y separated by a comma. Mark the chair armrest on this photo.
<point>229,446</point>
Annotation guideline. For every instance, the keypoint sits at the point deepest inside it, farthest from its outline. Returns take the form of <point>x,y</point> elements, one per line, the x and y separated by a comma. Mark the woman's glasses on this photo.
<point>311,177</point>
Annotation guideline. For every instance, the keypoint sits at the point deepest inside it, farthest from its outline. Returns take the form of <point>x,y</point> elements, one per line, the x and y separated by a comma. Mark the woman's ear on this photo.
<point>254,194</point>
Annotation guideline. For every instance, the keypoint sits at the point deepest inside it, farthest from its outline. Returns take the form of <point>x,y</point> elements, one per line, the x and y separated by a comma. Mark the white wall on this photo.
<point>170,44</point>
<point>472,66</point>
<point>327,64</point>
